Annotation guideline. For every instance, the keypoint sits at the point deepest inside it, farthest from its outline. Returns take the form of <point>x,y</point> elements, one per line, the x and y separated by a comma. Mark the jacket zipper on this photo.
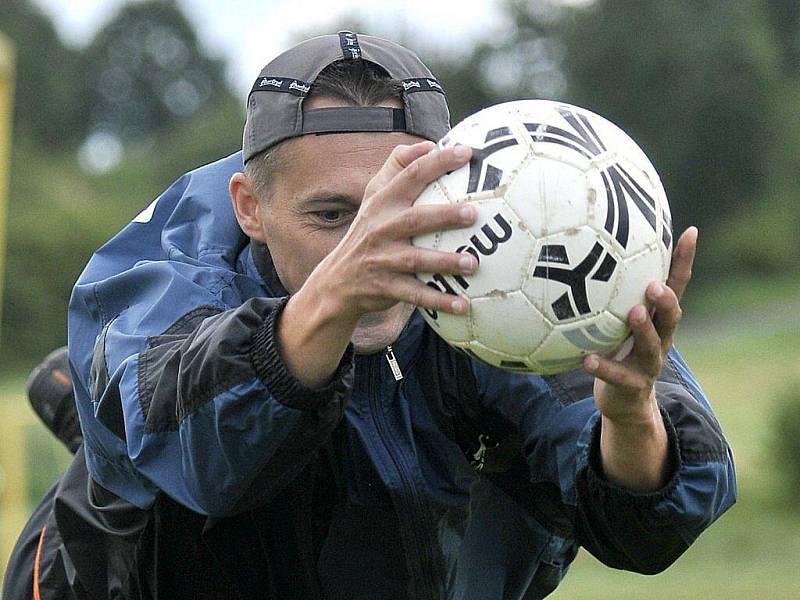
<point>416,509</point>
<point>393,364</point>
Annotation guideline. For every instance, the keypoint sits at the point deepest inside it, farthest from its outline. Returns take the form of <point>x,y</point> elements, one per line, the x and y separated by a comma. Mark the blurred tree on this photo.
<point>58,212</point>
<point>691,82</point>
<point>50,106</point>
<point>784,17</point>
<point>468,88</point>
<point>147,71</point>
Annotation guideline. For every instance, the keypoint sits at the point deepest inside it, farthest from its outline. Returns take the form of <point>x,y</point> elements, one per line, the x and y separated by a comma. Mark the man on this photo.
<point>264,415</point>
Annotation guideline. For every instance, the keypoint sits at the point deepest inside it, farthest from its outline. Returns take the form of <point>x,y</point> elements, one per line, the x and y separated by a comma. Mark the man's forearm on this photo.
<point>635,453</point>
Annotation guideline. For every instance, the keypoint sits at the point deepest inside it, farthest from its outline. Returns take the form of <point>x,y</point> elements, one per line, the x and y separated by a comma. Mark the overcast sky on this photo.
<point>248,33</point>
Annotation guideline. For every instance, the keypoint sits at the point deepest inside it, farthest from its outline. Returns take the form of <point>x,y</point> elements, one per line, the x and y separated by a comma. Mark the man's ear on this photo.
<point>246,206</point>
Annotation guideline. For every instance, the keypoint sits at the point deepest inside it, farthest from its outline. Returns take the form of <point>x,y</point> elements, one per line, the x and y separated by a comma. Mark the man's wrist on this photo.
<point>635,416</point>
<point>267,359</point>
<point>634,450</point>
<point>313,337</point>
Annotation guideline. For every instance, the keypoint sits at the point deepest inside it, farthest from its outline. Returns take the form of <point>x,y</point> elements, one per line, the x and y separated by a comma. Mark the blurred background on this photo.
<point>113,100</point>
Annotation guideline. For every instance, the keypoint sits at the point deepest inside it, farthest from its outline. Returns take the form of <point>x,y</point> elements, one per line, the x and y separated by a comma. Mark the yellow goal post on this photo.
<point>7,65</point>
<point>13,508</point>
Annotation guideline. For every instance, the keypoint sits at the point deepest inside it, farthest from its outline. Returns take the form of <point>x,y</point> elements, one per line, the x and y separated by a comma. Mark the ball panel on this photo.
<point>626,182</point>
<point>433,194</point>
<point>508,321</point>
<point>555,355</point>
<point>635,274</point>
<point>602,334</point>
<point>564,132</point>
<point>550,196</point>
<point>566,346</point>
<point>509,362</point>
<point>637,205</point>
<point>455,329</point>
<point>616,139</point>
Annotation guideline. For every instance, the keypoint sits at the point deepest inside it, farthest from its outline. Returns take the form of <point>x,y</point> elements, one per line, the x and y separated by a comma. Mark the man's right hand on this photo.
<point>373,267</point>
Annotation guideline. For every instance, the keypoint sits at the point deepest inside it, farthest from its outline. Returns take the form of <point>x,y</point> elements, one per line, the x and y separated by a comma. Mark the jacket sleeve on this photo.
<point>641,532</point>
<point>185,391</point>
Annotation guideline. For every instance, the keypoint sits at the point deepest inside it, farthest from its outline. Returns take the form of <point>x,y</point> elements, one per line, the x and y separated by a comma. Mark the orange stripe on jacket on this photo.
<point>36,594</point>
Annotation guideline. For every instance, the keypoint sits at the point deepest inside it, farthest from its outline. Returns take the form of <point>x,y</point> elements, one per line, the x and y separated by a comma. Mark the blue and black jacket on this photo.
<point>360,489</point>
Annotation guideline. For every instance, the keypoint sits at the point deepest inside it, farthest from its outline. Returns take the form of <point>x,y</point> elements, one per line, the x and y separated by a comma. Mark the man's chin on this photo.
<point>375,331</point>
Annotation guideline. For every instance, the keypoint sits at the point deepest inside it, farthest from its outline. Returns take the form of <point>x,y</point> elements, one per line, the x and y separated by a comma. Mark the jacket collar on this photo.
<point>266,268</point>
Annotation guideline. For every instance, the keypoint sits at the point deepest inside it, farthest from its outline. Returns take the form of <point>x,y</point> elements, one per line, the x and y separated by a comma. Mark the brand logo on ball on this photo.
<point>478,246</point>
<point>575,278</point>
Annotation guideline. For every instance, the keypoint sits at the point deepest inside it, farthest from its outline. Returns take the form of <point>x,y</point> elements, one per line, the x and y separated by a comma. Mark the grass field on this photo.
<point>753,552</point>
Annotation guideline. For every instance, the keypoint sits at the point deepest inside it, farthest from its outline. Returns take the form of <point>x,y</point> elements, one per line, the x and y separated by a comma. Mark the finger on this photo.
<point>680,271</point>
<point>667,312</point>
<point>412,291</point>
<point>430,218</point>
<point>617,374</point>
<point>409,183</point>
<point>410,259</point>
<point>646,354</point>
<point>400,158</point>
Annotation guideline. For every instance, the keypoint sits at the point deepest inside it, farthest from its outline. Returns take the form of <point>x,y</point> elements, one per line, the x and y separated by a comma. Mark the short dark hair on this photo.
<point>355,82</point>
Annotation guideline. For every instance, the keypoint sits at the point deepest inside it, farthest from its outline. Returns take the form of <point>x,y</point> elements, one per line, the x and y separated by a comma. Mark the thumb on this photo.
<point>680,271</point>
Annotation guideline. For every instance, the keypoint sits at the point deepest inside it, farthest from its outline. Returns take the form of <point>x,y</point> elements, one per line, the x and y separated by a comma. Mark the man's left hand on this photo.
<point>633,438</point>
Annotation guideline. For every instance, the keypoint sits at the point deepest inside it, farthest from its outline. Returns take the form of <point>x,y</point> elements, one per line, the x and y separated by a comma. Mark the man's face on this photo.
<point>315,194</point>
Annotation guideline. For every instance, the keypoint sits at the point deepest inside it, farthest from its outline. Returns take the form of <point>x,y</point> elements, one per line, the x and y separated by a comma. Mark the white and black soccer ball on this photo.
<point>573,224</point>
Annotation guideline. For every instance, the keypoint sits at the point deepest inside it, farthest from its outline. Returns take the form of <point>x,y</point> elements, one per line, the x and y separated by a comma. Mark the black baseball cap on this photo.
<point>275,104</point>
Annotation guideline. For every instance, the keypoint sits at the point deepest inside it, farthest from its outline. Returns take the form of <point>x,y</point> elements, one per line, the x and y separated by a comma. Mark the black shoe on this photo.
<point>50,394</point>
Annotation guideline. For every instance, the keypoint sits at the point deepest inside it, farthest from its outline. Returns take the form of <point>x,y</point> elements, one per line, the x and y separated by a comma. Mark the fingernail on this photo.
<point>459,305</point>
<point>639,314</point>
<point>465,263</point>
<point>591,362</point>
<point>461,151</point>
<point>658,289</point>
<point>467,214</point>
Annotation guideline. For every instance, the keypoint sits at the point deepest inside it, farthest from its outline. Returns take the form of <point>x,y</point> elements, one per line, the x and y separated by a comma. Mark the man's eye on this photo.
<point>330,217</point>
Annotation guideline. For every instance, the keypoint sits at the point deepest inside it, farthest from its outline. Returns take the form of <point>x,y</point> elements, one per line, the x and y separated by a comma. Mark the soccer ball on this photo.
<point>573,223</point>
